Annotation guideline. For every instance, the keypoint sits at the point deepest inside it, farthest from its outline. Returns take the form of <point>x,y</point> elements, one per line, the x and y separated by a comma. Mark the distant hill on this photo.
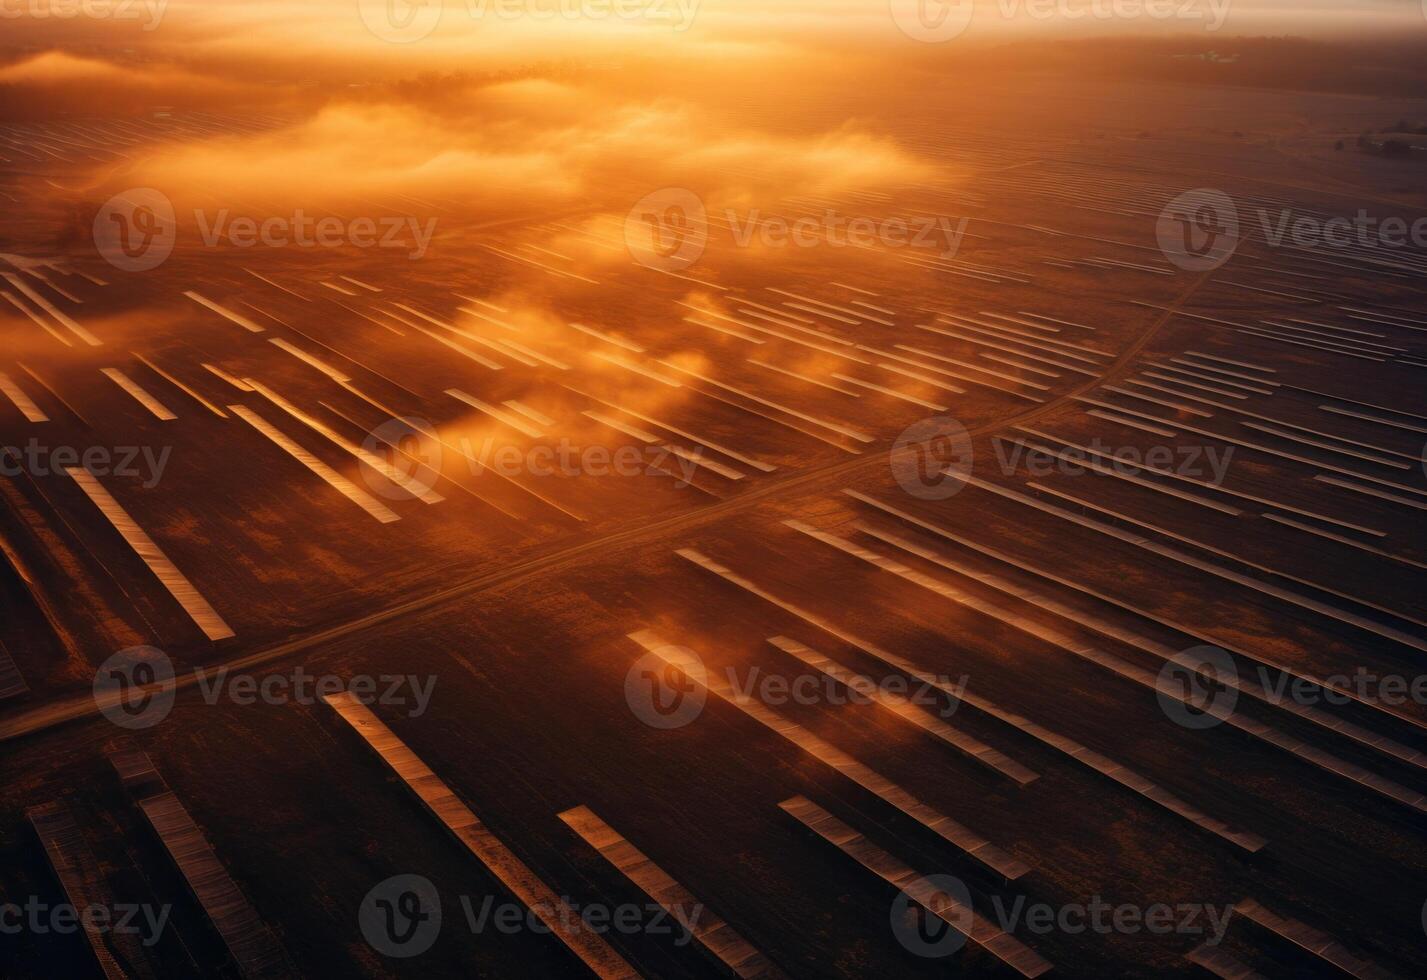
<point>1374,68</point>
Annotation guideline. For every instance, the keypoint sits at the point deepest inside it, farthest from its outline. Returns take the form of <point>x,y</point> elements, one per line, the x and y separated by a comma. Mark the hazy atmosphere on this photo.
<point>704,488</point>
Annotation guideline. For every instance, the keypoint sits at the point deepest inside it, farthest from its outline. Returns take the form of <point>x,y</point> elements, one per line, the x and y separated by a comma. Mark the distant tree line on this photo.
<point>1384,148</point>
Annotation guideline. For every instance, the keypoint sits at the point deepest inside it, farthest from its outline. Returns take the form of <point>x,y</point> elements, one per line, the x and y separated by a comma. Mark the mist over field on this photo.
<point>691,488</point>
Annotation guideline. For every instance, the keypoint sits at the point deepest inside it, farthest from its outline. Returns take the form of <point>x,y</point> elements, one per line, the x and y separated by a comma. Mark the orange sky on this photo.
<point>454,32</point>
